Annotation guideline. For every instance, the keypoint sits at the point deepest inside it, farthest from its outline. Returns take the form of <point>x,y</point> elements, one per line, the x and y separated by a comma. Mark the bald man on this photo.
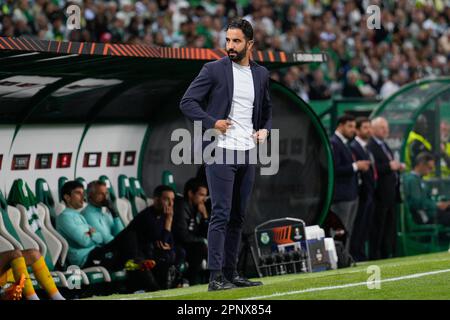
<point>387,192</point>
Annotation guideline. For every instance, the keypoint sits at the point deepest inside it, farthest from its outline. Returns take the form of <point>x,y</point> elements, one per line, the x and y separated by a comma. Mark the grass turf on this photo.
<point>322,285</point>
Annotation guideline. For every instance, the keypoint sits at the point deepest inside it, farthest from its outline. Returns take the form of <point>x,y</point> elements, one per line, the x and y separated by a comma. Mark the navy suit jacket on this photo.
<point>368,182</point>
<point>210,95</point>
<point>346,181</point>
<point>387,192</point>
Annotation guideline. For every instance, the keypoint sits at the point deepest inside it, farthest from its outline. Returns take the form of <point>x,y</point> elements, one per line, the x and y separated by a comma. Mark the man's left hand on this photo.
<point>163,246</point>
<point>261,135</point>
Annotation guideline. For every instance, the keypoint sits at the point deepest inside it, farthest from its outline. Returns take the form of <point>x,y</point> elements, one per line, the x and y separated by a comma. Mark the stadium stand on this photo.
<point>413,40</point>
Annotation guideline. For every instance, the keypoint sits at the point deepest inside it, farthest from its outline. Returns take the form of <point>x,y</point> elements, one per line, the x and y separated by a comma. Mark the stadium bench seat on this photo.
<point>142,201</point>
<point>11,228</point>
<point>61,181</point>
<point>123,206</point>
<point>45,195</point>
<point>127,192</point>
<point>168,179</point>
<point>60,205</point>
<point>417,238</point>
<point>5,245</point>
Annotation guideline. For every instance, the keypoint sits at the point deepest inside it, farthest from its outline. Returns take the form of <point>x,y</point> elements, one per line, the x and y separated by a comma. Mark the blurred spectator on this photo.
<point>351,88</point>
<point>318,89</point>
<point>413,41</point>
<point>390,86</point>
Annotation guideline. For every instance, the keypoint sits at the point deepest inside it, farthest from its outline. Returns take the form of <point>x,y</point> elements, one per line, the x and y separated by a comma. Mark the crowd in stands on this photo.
<point>413,40</point>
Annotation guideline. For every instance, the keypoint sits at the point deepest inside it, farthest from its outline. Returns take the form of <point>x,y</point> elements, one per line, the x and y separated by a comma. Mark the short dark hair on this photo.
<point>93,185</point>
<point>360,121</point>
<point>423,158</point>
<point>193,185</point>
<point>244,25</point>
<point>345,118</point>
<point>158,191</point>
<point>69,186</point>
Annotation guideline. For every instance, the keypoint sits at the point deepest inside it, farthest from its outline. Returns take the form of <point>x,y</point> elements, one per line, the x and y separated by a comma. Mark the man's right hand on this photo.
<point>168,209</point>
<point>443,205</point>
<point>363,165</point>
<point>112,209</point>
<point>222,125</point>
<point>395,165</point>
<point>202,209</point>
<point>91,231</point>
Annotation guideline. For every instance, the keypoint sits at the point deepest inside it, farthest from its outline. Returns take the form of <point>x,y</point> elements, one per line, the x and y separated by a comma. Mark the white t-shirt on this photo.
<point>240,134</point>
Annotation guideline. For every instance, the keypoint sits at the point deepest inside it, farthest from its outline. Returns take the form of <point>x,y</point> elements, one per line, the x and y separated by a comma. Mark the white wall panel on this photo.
<point>36,139</point>
<point>111,138</point>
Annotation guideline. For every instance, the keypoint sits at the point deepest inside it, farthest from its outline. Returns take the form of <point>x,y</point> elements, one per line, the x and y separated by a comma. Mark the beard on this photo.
<point>237,56</point>
<point>349,136</point>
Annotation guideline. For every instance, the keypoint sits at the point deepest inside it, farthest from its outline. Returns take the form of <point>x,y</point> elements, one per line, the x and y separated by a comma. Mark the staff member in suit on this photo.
<point>387,192</point>
<point>366,184</point>
<point>235,91</point>
<point>346,167</point>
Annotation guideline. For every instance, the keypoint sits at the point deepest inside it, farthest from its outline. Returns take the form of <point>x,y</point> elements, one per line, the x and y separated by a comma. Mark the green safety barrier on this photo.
<point>329,110</point>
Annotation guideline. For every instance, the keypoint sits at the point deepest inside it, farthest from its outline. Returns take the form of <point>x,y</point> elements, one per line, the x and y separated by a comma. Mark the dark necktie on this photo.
<point>347,144</point>
<point>389,155</point>
<point>386,151</point>
<point>372,162</point>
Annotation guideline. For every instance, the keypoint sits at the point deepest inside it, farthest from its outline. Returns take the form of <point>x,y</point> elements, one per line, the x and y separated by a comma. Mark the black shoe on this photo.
<point>220,283</point>
<point>239,281</point>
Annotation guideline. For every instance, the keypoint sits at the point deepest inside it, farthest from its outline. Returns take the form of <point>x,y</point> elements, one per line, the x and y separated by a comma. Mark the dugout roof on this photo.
<point>53,82</point>
<point>429,97</point>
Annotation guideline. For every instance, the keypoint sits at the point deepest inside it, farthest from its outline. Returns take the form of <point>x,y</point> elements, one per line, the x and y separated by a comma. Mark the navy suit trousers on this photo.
<point>230,186</point>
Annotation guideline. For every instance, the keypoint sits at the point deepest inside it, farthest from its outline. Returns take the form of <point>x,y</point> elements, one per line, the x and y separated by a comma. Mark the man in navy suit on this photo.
<point>346,167</point>
<point>366,187</point>
<point>230,95</point>
<point>387,192</point>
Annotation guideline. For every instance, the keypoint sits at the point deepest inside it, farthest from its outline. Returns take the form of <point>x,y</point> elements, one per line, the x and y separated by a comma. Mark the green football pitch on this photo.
<point>415,277</point>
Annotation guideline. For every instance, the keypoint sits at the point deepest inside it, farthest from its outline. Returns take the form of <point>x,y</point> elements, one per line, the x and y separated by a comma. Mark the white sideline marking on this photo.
<point>153,295</point>
<point>140,297</point>
<point>349,285</point>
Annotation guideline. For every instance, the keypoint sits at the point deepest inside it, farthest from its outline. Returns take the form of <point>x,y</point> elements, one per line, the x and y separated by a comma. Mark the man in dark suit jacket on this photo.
<point>346,167</point>
<point>235,92</point>
<point>366,184</point>
<point>387,192</point>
